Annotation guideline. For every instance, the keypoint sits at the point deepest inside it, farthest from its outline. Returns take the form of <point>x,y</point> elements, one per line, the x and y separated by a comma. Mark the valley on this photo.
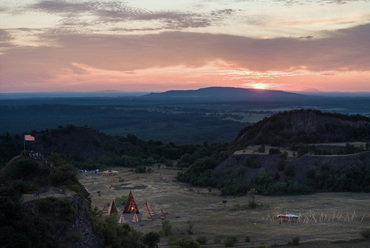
<point>328,219</point>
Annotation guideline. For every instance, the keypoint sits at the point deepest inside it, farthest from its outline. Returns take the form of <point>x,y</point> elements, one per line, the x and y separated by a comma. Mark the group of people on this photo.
<point>39,156</point>
<point>35,155</point>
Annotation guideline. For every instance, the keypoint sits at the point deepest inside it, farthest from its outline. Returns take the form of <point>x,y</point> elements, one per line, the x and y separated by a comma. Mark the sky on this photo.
<point>153,46</point>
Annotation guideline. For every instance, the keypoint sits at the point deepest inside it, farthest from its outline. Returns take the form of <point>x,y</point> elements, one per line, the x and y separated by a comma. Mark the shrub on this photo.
<point>202,240</point>
<point>281,165</point>
<point>294,241</point>
<point>217,240</point>
<point>24,186</point>
<point>289,170</point>
<point>189,243</point>
<point>66,209</point>
<point>120,201</point>
<point>251,202</point>
<point>23,169</point>
<point>274,151</point>
<point>151,239</point>
<point>166,228</point>
<point>63,175</point>
<point>252,162</point>
<point>247,239</point>
<point>262,149</point>
<point>365,233</point>
<point>76,188</point>
<point>230,241</point>
<point>46,204</point>
<point>189,229</point>
<point>140,169</point>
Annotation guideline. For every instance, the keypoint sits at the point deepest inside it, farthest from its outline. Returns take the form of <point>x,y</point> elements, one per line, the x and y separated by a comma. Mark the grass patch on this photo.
<point>365,233</point>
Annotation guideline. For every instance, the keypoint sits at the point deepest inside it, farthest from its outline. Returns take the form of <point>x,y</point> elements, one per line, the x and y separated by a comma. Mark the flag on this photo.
<point>29,138</point>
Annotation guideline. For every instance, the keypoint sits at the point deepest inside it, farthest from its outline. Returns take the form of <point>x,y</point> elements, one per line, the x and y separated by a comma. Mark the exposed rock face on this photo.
<point>57,216</point>
<point>63,220</point>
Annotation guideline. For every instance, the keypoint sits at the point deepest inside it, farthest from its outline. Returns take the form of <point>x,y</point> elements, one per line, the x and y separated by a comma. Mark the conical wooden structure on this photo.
<point>131,206</point>
<point>146,213</point>
<point>135,218</point>
<point>163,215</point>
<point>121,219</point>
<point>113,208</point>
<point>105,210</point>
<point>109,209</point>
<point>151,209</point>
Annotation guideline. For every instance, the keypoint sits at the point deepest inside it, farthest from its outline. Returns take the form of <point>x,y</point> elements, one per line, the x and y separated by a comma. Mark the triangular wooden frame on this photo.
<point>135,218</point>
<point>131,206</point>
<point>146,213</point>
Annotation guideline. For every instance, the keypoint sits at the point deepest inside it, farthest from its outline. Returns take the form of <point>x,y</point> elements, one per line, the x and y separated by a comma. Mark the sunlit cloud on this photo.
<point>184,44</point>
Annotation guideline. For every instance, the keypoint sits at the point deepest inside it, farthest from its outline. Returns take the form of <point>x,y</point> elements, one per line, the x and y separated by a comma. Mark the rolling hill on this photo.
<point>307,126</point>
<point>285,154</point>
<point>224,94</point>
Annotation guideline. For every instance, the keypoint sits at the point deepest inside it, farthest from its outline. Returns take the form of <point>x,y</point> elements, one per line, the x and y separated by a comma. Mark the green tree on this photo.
<point>166,227</point>
<point>230,241</point>
<point>151,239</point>
<point>140,169</point>
<point>252,202</point>
<point>189,243</point>
<point>189,229</point>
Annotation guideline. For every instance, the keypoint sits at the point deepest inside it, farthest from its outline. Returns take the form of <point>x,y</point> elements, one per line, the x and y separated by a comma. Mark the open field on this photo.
<point>326,217</point>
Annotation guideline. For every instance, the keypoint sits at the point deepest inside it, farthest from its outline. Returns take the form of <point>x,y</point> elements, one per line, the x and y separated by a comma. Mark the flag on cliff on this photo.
<point>28,137</point>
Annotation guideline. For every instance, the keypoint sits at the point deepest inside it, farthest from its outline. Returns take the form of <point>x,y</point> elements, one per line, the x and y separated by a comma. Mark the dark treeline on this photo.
<point>134,151</point>
<point>198,162</point>
<point>329,179</point>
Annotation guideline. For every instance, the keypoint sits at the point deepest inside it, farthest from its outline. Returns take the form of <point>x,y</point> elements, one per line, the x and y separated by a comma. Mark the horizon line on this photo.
<point>114,93</point>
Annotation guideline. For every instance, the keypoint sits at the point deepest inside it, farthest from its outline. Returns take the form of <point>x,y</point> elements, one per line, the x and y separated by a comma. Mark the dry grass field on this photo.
<point>327,219</point>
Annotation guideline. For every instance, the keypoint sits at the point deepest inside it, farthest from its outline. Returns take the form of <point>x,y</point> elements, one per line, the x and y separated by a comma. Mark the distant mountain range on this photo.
<point>224,94</point>
<point>210,94</point>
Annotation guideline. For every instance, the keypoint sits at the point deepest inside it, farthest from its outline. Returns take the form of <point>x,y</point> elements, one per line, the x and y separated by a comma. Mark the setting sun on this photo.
<point>259,86</point>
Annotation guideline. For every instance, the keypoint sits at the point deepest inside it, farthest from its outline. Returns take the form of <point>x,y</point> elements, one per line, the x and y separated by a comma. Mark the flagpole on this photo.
<point>24,146</point>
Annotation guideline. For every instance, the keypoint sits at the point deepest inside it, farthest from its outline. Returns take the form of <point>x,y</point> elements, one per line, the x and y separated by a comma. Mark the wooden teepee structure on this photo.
<point>121,219</point>
<point>135,218</point>
<point>146,212</point>
<point>150,207</point>
<point>131,206</point>
<point>162,215</point>
<point>109,209</point>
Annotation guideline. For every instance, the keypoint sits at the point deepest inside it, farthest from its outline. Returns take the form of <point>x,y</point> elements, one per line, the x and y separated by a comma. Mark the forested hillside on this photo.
<point>294,163</point>
<point>88,148</point>
<point>306,126</point>
<point>297,162</point>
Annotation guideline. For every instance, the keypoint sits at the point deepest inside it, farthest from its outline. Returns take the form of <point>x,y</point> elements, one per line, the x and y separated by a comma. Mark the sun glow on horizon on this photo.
<point>259,86</point>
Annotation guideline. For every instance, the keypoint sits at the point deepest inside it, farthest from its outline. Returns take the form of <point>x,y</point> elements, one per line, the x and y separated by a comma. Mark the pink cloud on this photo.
<point>175,59</point>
